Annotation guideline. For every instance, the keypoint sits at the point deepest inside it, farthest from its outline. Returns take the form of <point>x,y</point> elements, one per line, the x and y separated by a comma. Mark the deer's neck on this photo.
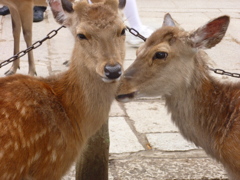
<point>203,109</point>
<point>86,99</point>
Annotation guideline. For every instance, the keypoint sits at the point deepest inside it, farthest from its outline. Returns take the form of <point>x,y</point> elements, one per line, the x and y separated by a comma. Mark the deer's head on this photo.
<point>166,60</point>
<point>99,34</point>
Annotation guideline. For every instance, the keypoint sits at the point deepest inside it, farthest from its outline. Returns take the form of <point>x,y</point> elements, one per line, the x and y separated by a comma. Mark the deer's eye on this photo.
<point>123,32</point>
<point>81,36</point>
<point>160,55</point>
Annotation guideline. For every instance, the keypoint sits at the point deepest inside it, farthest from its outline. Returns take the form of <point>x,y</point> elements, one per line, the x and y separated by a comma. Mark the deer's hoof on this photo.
<point>66,63</point>
<point>32,73</point>
<point>9,72</point>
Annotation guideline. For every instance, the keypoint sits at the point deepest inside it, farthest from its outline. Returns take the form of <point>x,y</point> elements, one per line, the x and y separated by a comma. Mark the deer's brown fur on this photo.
<point>207,112</point>
<point>45,122</point>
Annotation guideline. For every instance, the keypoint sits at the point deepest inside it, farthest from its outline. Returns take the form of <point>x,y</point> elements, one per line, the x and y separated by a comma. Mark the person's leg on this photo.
<point>4,11</point>
<point>38,13</point>
<point>40,8</point>
<point>131,13</point>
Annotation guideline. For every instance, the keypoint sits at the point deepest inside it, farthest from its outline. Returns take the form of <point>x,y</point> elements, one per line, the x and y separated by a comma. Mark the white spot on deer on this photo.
<point>23,111</point>
<point>4,112</point>
<point>14,176</point>
<point>21,169</point>
<point>10,82</point>
<point>45,91</point>
<point>54,156</point>
<point>39,135</point>
<point>43,132</point>
<point>61,157</point>
<point>8,145</point>
<point>28,144</point>
<point>49,147</point>
<point>28,103</point>
<point>18,105</point>
<point>32,140</point>
<point>34,102</point>
<point>16,146</point>
<point>5,176</point>
<point>22,139</point>
<point>36,156</point>
<point>6,115</point>
<point>60,141</point>
<point>15,124</point>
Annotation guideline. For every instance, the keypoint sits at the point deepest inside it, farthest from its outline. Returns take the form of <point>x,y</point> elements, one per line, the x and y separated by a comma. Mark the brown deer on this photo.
<point>45,122</point>
<point>22,17</point>
<point>207,112</point>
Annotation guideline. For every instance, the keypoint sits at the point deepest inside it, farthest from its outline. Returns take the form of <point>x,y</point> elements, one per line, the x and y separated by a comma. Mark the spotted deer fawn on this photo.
<point>45,122</point>
<point>207,112</point>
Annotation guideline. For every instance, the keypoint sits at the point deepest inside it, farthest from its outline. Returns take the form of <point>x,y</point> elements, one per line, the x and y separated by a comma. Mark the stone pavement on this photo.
<point>145,145</point>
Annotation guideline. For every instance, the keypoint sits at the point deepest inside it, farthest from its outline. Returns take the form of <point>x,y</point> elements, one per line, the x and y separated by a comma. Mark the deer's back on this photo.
<point>35,132</point>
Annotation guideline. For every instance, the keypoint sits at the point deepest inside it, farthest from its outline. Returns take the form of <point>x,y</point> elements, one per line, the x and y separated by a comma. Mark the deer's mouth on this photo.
<point>107,80</point>
<point>125,97</point>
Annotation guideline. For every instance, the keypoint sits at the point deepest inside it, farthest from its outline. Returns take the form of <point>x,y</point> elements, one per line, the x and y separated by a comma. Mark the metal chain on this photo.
<point>35,45</point>
<point>136,33</point>
<point>133,31</point>
<point>222,72</point>
<point>217,71</point>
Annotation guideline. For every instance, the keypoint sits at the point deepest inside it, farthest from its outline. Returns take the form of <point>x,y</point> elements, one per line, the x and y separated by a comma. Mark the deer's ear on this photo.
<point>121,4</point>
<point>58,8</point>
<point>67,6</point>
<point>168,20</point>
<point>210,34</point>
<point>113,4</point>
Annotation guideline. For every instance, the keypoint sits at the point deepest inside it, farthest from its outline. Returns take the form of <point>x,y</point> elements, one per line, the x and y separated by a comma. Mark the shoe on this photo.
<point>4,11</point>
<point>37,15</point>
<point>136,41</point>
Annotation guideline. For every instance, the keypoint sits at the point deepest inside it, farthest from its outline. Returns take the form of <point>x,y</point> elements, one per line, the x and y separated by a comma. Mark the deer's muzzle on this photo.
<point>113,72</point>
<point>125,97</point>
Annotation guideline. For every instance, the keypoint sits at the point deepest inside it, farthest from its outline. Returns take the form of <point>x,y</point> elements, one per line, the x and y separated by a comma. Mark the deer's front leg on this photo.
<point>16,30</point>
<point>26,15</point>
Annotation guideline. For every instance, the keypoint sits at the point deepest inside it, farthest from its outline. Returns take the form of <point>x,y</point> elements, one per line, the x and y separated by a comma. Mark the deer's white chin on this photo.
<point>107,80</point>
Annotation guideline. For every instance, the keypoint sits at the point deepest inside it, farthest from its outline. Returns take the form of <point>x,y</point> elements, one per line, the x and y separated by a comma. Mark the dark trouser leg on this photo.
<point>93,164</point>
<point>4,11</point>
<point>38,13</point>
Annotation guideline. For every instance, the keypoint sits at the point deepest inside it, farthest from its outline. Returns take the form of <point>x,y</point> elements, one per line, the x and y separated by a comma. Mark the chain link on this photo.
<point>222,72</point>
<point>136,33</point>
<point>34,46</point>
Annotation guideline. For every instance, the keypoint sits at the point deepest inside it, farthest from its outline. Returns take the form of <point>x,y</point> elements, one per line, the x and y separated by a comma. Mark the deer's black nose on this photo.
<point>113,71</point>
